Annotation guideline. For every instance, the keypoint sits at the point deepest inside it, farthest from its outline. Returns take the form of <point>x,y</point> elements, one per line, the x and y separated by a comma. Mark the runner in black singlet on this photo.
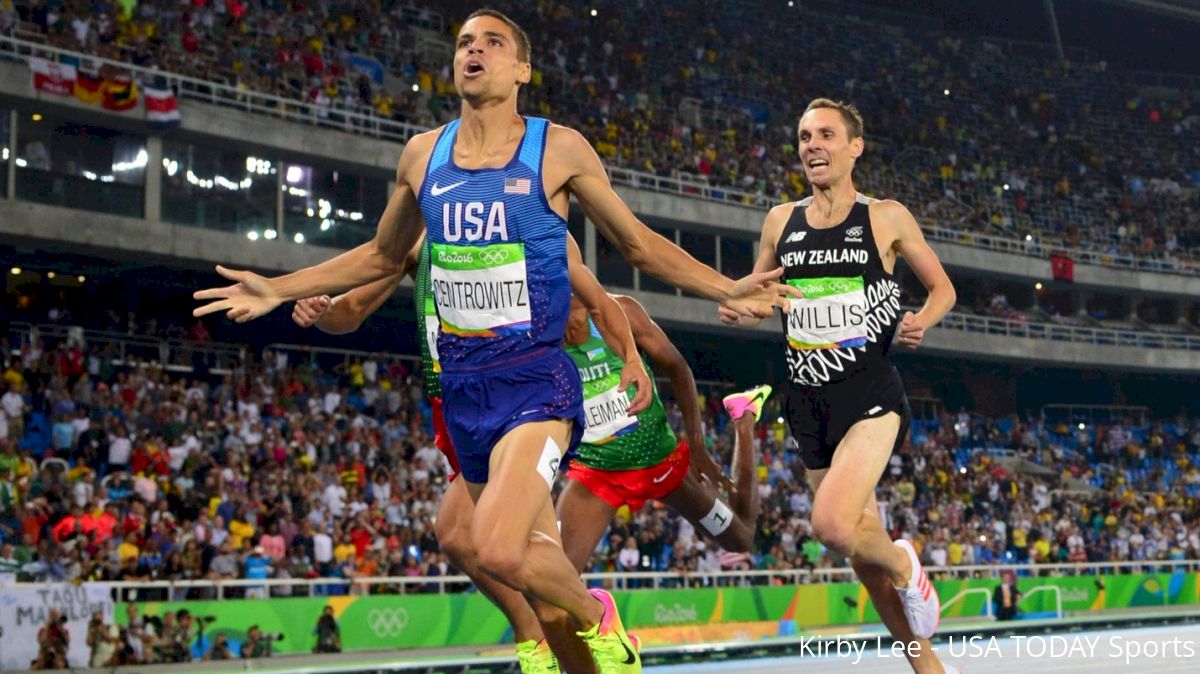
<point>846,404</point>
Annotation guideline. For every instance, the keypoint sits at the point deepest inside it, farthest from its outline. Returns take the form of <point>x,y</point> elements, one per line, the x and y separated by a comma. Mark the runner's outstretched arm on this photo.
<point>772,227</point>
<point>613,326</point>
<point>754,295</point>
<point>253,295</point>
<point>346,312</point>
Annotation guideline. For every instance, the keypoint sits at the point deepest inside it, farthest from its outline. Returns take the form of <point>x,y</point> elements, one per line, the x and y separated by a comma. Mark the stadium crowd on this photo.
<point>974,134</point>
<point>291,470</point>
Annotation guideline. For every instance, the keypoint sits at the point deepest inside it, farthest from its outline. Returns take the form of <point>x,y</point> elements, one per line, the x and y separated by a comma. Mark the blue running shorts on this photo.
<point>483,403</point>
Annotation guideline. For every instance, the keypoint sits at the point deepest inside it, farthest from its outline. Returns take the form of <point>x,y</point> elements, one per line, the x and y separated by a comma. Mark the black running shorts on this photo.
<point>820,416</point>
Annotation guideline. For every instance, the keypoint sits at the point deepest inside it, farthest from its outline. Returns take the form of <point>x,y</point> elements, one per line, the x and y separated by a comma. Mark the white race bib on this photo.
<point>481,291</point>
<point>604,415</point>
<point>831,315</point>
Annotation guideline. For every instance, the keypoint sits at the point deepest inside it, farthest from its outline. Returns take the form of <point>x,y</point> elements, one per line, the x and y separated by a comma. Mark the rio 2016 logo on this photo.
<point>387,622</point>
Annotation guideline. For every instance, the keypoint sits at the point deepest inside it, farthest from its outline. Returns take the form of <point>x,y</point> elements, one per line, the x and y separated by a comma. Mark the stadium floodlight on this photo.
<point>252,235</point>
<point>298,238</point>
<point>16,271</point>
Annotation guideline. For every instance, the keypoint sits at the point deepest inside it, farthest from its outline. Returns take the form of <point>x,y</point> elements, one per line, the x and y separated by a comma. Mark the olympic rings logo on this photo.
<point>493,258</point>
<point>387,622</point>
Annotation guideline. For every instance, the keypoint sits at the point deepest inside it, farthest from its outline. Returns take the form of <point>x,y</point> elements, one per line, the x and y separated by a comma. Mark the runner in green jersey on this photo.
<point>346,313</point>
<point>628,460</point>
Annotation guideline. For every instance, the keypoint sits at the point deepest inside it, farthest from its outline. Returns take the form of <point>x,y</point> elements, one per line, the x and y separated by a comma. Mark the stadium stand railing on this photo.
<point>630,580</point>
<point>1034,246</point>
<point>360,119</point>
<point>1069,333</point>
<point>175,355</point>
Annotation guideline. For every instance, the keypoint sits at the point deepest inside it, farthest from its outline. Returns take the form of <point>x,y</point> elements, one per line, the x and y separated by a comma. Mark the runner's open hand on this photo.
<point>756,295</point>
<point>634,373</point>
<point>705,468</point>
<point>247,299</point>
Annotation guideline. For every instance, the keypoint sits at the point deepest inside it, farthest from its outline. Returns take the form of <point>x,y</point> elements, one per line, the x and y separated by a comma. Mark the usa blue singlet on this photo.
<point>498,272</point>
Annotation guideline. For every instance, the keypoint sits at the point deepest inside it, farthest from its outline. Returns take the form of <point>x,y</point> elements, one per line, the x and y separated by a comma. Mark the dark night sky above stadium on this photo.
<point>1121,35</point>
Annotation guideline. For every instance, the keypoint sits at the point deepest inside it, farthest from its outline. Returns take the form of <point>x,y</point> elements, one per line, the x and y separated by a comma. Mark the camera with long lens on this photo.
<point>273,636</point>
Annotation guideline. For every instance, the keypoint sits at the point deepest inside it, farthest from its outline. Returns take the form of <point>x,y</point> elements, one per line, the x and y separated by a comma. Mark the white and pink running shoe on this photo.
<point>921,604</point>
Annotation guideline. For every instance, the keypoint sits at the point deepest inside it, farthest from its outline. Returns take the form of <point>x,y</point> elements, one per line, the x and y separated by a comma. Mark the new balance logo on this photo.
<point>795,237</point>
<point>439,191</point>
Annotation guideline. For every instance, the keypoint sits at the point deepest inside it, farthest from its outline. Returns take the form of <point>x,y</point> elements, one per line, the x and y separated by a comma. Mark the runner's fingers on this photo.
<point>302,317</point>
<point>214,293</point>
<point>212,308</point>
<point>641,400</point>
<point>787,290</point>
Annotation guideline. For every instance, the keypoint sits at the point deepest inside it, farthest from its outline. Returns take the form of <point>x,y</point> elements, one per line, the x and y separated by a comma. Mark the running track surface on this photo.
<point>1143,650</point>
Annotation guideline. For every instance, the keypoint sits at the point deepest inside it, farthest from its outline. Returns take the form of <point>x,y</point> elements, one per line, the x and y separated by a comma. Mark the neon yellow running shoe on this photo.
<point>609,642</point>
<point>535,657</point>
<point>737,404</point>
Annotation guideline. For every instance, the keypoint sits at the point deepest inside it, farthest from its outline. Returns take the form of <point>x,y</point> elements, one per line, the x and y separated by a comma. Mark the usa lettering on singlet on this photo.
<point>497,253</point>
<point>851,305</point>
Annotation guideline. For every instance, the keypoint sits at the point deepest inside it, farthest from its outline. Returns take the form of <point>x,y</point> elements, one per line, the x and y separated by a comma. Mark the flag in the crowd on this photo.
<point>368,66</point>
<point>161,106</point>
<point>119,92</point>
<point>1062,268</point>
<point>52,78</point>
<point>87,86</point>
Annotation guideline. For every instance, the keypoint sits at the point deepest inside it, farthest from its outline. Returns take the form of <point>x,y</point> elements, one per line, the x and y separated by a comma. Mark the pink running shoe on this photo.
<point>738,404</point>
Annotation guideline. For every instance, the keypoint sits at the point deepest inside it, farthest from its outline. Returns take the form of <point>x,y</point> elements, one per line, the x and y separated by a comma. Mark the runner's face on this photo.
<point>826,149</point>
<point>486,64</point>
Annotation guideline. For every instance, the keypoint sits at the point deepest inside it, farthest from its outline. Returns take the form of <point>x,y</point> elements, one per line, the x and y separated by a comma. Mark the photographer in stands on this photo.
<point>258,644</point>
<point>220,649</point>
<point>139,638</point>
<point>104,641</point>
<point>53,642</point>
<point>329,635</point>
<point>179,637</point>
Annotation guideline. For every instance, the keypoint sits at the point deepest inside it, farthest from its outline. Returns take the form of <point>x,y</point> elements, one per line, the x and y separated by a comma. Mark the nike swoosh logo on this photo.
<point>630,657</point>
<point>663,476</point>
<point>439,191</point>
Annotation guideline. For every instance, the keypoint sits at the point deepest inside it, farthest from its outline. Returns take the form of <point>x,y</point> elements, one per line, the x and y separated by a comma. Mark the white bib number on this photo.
<point>604,415</point>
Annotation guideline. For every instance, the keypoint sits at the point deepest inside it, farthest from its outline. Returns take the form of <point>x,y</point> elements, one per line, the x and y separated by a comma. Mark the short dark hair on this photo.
<point>850,114</point>
<point>523,49</point>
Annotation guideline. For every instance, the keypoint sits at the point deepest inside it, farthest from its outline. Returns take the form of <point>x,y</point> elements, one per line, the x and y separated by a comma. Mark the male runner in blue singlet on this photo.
<point>492,188</point>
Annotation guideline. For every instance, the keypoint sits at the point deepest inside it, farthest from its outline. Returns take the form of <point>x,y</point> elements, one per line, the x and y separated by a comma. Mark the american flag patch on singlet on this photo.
<point>516,186</point>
